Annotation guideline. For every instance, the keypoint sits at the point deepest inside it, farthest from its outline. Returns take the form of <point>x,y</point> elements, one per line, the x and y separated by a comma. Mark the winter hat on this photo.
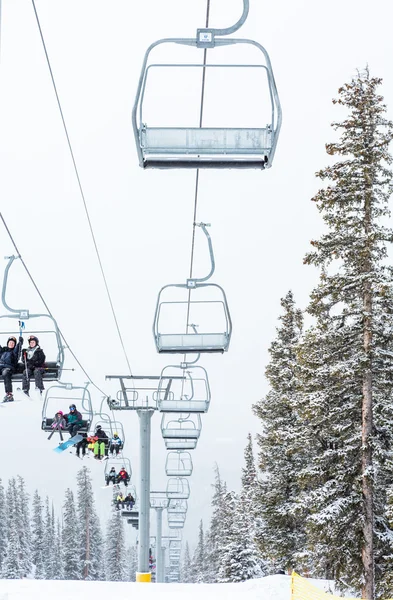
<point>11,339</point>
<point>33,337</point>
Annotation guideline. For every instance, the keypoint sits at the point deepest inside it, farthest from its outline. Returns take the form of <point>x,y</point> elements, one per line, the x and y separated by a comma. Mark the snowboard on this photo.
<point>74,440</point>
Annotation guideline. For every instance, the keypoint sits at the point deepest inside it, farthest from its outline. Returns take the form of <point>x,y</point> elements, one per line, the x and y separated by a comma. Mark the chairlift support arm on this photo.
<point>193,282</point>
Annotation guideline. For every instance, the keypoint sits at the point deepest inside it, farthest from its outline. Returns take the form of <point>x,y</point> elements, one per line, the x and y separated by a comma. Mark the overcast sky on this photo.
<point>262,222</point>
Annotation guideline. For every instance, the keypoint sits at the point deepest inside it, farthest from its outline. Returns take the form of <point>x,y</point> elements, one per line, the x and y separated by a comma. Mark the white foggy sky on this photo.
<point>261,222</point>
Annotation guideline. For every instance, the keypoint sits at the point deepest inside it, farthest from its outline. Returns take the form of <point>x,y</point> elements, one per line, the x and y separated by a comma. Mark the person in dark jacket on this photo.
<point>81,446</point>
<point>74,420</point>
<point>129,501</point>
<point>33,360</point>
<point>101,445</point>
<point>9,356</point>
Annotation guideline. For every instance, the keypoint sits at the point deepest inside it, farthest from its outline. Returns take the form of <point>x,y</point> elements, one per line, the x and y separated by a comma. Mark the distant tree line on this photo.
<point>35,543</point>
<point>323,499</point>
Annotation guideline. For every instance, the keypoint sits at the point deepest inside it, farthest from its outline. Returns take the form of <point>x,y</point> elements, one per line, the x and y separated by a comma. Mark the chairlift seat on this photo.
<point>50,372</point>
<point>192,342</point>
<point>47,423</point>
<point>206,147</point>
<point>180,444</point>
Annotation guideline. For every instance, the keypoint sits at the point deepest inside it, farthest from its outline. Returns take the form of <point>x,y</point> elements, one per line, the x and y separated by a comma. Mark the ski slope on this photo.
<point>274,587</point>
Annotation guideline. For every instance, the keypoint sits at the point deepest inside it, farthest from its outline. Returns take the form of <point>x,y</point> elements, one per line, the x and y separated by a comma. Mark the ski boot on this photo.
<point>27,393</point>
<point>8,397</point>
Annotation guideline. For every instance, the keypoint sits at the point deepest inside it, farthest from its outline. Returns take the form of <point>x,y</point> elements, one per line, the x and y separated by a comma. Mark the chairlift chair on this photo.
<point>197,320</point>
<point>178,488</point>
<point>178,464</point>
<point>189,393</point>
<point>181,444</point>
<point>176,506</point>
<point>118,463</point>
<point>41,325</point>
<point>217,147</point>
<point>60,397</point>
<point>184,427</point>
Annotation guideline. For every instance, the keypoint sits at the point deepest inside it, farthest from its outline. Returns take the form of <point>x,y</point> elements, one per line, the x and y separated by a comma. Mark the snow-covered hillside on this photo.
<point>275,587</point>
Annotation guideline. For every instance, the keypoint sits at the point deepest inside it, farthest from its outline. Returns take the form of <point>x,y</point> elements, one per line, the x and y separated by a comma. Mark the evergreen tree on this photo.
<point>57,551</point>
<point>3,525</point>
<point>198,570</point>
<point>281,458</point>
<point>49,545</point>
<point>246,559</point>
<point>355,291</point>
<point>70,539</point>
<point>115,550</point>
<point>132,563</point>
<point>12,567</point>
<point>216,532</point>
<point>23,516</point>
<point>186,567</point>
<point>89,527</point>
<point>38,538</point>
<point>227,546</point>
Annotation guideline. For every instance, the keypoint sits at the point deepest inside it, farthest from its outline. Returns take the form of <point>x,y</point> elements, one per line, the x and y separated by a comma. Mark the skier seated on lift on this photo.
<point>33,361</point>
<point>82,445</point>
<point>9,356</point>
<point>123,477</point>
<point>120,500</point>
<point>111,476</point>
<point>59,421</point>
<point>74,420</point>
<point>116,444</point>
<point>101,443</point>
<point>129,501</point>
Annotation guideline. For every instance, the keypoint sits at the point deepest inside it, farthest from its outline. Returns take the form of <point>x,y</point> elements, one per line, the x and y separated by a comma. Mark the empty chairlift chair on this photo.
<point>193,317</point>
<point>178,488</point>
<point>183,428</point>
<point>189,393</point>
<point>237,135</point>
<point>60,398</point>
<point>178,464</point>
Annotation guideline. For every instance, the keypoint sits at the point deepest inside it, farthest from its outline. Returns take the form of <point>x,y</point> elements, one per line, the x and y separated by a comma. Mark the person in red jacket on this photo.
<point>123,477</point>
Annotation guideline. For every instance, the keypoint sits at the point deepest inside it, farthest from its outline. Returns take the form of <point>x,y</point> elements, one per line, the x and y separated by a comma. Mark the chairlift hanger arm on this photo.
<point>3,291</point>
<point>194,281</point>
<point>237,25</point>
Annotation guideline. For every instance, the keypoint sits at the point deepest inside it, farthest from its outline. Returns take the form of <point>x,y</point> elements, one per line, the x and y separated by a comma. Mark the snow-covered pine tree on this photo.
<point>24,526</point>
<point>115,549</point>
<point>49,542</point>
<point>12,567</point>
<point>227,547</point>
<point>245,556</point>
<point>132,563</point>
<point>57,550</point>
<point>38,538</point>
<point>281,534</point>
<point>89,528</point>
<point>216,531</point>
<point>356,289</point>
<point>198,570</point>
<point>70,539</point>
<point>3,524</point>
<point>186,567</point>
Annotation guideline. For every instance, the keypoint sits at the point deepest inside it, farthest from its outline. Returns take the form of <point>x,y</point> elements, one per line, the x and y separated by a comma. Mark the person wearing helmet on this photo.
<point>101,445</point>
<point>74,420</point>
<point>111,476</point>
<point>59,421</point>
<point>9,356</point>
<point>116,444</point>
<point>123,477</point>
<point>33,361</point>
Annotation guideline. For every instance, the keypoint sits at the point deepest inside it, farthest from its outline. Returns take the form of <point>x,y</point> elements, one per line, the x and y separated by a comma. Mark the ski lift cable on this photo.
<point>46,306</point>
<point>80,187</point>
<point>197,171</point>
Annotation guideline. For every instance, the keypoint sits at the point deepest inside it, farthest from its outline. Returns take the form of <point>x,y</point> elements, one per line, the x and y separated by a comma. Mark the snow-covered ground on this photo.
<point>274,587</point>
